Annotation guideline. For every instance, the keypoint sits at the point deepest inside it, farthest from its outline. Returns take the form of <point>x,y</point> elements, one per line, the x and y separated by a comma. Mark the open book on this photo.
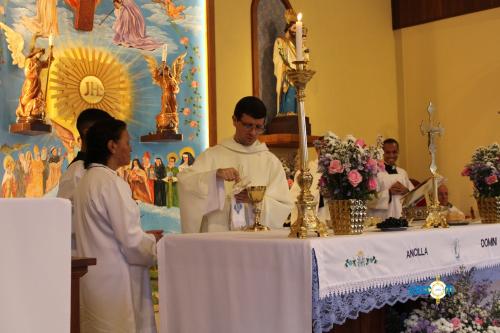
<point>424,188</point>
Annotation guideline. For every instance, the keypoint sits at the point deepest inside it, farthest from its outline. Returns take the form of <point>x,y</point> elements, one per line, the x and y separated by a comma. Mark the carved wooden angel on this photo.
<point>32,100</point>
<point>169,79</point>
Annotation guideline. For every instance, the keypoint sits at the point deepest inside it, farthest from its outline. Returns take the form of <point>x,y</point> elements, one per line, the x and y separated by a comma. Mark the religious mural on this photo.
<point>105,64</point>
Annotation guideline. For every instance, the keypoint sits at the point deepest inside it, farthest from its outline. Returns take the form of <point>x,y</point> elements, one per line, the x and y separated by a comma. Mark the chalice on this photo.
<point>256,195</point>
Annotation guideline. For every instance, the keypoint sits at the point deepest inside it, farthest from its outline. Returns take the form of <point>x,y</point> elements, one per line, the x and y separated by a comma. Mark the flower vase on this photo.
<point>489,209</point>
<point>347,216</point>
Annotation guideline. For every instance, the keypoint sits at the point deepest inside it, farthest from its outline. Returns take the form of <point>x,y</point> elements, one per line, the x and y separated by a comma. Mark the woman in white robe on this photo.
<point>115,294</point>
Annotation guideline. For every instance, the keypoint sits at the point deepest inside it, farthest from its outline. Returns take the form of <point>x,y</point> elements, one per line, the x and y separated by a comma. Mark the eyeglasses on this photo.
<point>258,128</point>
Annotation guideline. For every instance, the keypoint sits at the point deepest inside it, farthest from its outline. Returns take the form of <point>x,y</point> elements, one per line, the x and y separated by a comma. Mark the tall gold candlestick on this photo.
<point>307,223</point>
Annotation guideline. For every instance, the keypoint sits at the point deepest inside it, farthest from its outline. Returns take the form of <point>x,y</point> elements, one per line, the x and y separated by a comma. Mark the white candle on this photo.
<point>298,38</point>
<point>51,39</point>
<point>164,53</point>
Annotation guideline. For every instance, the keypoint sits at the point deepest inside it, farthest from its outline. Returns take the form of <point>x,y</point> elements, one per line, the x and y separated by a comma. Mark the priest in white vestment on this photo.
<point>71,177</point>
<point>212,192</point>
<point>393,183</point>
<point>115,294</point>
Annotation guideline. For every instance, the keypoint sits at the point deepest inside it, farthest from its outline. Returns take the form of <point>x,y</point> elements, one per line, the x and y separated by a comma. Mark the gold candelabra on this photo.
<point>307,223</point>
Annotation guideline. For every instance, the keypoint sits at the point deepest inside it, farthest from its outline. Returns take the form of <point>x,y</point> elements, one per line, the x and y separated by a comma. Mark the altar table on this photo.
<point>265,282</point>
<point>35,253</point>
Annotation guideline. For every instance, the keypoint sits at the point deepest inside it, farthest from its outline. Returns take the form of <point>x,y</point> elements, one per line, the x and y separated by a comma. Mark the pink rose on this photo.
<point>360,143</point>
<point>186,111</point>
<point>371,164</point>
<point>194,84</point>
<point>184,41</point>
<point>479,321</point>
<point>335,167</point>
<point>466,172</point>
<point>193,123</point>
<point>492,179</point>
<point>372,184</point>
<point>456,323</point>
<point>193,70</point>
<point>354,177</point>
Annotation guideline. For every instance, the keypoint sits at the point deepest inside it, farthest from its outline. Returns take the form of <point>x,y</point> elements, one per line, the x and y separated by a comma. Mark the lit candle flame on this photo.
<point>299,17</point>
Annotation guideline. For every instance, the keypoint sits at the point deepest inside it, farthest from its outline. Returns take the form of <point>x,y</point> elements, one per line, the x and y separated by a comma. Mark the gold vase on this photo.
<point>489,209</point>
<point>347,216</point>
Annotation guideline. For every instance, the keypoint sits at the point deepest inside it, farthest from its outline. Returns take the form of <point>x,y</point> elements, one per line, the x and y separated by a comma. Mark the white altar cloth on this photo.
<point>234,282</point>
<point>377,259</point>
<point>35,253</point>
<point>261,282</point>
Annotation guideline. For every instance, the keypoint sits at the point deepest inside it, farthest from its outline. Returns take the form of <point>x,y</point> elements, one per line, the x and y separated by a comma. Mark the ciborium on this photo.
<point>256,195</point>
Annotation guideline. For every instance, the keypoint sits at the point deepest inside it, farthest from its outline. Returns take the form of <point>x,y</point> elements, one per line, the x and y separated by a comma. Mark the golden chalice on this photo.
<point>256,195</point>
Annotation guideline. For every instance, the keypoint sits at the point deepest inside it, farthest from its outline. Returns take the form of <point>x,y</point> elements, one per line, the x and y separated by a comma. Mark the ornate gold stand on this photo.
<point>435,218</point>
<point>307,223</point>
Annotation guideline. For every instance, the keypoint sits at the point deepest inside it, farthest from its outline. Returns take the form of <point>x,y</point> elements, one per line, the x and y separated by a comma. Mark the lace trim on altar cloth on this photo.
<point>337,308</point>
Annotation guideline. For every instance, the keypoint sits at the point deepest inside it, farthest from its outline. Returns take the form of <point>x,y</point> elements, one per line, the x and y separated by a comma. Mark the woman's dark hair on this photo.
<point>89,117</point>
<point>251,106</point>
<point>190,157</point>
<point>98,137</point>
<point>138,163</point>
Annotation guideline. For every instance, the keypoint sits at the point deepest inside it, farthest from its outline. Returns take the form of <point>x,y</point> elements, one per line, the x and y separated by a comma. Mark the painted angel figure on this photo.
<point>45,21</point>
<point>32,99</point>
<point>169,79</point>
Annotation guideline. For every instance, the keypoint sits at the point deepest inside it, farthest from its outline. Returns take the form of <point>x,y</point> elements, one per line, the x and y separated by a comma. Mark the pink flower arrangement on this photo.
<point>349,167</point>
<point>484,171</point>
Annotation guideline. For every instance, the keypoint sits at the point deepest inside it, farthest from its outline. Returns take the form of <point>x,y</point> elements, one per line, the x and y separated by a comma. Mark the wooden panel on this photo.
<point>79,267</point>
<point>286,140</point>
<point>406,13</point>
<point>212,114</point>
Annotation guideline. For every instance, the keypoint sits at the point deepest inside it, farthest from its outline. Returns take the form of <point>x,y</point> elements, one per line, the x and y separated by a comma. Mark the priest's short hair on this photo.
<point>251,106</point>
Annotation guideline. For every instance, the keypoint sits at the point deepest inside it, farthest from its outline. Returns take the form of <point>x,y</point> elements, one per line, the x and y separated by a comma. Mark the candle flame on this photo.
<point>299,17</point>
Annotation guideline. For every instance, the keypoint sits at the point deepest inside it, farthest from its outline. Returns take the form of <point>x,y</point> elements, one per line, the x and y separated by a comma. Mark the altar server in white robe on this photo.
<point>206,189</point>
<point>71,177</point>
<point>115,294</point>
<point>393,183</point>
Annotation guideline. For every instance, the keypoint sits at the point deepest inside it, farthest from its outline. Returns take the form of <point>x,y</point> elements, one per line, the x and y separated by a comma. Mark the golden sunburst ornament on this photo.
<point>84,77</point>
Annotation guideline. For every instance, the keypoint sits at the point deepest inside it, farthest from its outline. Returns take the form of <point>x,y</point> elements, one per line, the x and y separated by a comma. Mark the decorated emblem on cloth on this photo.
<point>360,260</point>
